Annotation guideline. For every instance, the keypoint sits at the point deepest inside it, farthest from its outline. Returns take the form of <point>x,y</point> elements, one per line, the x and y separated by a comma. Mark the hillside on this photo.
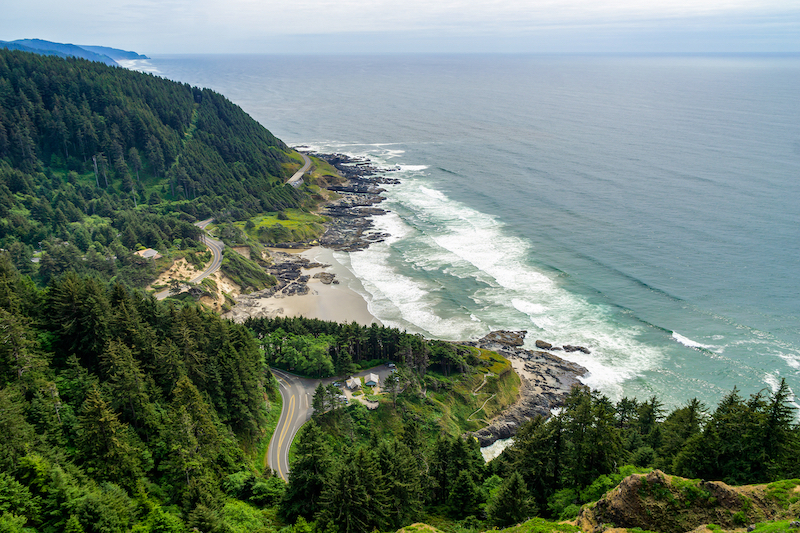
<point>103,54</point>
<point>657,502</point>
<point>97,162</point>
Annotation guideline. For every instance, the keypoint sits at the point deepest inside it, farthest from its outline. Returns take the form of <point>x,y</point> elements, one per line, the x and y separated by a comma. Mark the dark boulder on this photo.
<point>570,348</point>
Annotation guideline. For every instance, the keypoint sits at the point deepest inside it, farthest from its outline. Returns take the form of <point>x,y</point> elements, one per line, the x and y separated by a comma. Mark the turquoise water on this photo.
<point>645,207</point>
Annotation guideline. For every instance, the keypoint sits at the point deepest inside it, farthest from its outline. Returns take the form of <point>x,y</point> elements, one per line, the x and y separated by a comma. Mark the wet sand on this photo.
<point>334,302</point>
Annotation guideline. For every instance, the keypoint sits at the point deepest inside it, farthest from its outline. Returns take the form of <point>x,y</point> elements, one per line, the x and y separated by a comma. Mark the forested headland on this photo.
<point>97,162</point>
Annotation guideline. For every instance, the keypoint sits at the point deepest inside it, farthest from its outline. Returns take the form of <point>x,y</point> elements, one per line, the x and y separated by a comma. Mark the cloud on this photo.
<point>251,25</point>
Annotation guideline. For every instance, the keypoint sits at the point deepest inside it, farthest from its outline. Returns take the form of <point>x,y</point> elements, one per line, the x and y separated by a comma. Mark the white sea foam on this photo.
<point>412,168</point>
<point>792,360</point>
<point>772,380</point>
<point>686,341</point>
<point>396,299</point>
<point>139,65</point>
<point>496,448</point>
<point>431,232</point>
<point>391,154</point>
<point>528,307</point>
<point>689,342</point>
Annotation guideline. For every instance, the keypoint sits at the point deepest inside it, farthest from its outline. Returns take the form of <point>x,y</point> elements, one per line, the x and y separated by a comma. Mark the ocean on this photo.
<point>647,208</point>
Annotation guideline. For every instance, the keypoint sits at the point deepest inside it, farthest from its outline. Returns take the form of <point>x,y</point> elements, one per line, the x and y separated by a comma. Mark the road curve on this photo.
<point>297,176</point>
<point>216,248</point>
<point>297,394</point>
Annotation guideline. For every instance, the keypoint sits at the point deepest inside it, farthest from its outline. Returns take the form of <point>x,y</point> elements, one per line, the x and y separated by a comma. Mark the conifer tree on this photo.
<point>402,481</point>
<point>104,442</point>
<point>512,503</point>
<point>464,496</point>
<point>309,474</point>
<point>356,497</point>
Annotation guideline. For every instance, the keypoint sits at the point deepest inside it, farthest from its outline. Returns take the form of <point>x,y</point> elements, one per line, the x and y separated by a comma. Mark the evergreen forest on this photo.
<point>97,162</point>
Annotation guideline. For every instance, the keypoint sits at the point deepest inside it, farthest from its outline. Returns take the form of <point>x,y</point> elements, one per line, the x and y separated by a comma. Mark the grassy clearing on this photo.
<point>296,163</point>
<point>540,525</point>
<point>322,169</point>
<point>784,492</point>
<point>780,526</point>
<point>291,225</point>
<point>441,524</point>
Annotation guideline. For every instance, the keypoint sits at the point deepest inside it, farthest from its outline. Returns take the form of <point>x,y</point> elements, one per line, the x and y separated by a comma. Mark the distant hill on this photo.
<point>114,53</point>
<point>102,54</point>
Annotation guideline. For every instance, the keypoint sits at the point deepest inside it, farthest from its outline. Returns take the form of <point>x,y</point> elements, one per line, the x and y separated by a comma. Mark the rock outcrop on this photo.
<point>327,278</point>
<point>660,502</point>
<point>546,380</point>
<point>288,270</point>
<point>504,338</point>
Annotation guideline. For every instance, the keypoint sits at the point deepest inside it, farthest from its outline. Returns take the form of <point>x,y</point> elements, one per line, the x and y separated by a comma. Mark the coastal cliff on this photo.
<point>546,380</point>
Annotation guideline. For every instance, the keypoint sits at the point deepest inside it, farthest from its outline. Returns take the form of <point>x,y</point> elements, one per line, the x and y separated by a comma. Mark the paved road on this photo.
<point>297,394</point>
<point>216,248</point>
<point>297,177</point>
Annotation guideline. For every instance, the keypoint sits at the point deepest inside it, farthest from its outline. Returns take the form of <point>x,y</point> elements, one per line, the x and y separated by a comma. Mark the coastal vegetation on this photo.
<point>555,469</point>
<point>120,413</point>
<point>291,225</point>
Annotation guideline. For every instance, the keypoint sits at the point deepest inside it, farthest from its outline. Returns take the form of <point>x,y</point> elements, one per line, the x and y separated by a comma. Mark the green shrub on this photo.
<point>783,492</point>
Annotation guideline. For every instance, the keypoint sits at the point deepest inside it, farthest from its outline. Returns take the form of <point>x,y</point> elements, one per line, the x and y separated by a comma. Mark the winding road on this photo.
<point>297,178</point>
<point>216,248</point>
<point>297,394</point>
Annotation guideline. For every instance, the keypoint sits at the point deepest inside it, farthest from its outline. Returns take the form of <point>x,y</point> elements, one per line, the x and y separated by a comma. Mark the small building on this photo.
<point>148,253</point>
<point>353,383</point>
<point>371,380</point>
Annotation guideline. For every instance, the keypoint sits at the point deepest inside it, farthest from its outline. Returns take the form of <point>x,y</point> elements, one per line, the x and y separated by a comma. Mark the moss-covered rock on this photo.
<point>659,502</point>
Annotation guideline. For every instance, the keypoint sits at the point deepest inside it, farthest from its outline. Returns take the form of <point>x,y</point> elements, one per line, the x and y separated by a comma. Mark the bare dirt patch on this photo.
<point>242,250</point>
<point>180,270</point>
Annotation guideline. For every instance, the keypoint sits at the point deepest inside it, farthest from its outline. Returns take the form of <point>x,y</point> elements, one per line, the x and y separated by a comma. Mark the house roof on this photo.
<point>372,377</point>
<point>148,253</point>
<point>353,383</point>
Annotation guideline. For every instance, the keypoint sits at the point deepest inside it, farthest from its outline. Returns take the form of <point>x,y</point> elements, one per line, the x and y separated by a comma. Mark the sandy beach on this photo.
<point>335,302</point>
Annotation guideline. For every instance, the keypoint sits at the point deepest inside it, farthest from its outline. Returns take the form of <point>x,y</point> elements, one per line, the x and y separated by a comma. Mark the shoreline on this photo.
<point>313,284</point>
<point>336,301</point>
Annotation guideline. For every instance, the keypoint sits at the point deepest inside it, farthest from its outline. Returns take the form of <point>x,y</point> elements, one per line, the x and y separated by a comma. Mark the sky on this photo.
<point>156,27</point>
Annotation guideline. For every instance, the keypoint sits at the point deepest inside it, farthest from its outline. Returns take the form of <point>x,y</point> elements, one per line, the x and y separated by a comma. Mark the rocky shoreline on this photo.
<point>546,380</point>
<point>350,228</point>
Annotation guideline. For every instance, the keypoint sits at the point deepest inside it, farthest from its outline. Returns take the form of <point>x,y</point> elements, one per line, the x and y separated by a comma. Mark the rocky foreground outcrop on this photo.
<point>546,380</point>
<point>671,504</point>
